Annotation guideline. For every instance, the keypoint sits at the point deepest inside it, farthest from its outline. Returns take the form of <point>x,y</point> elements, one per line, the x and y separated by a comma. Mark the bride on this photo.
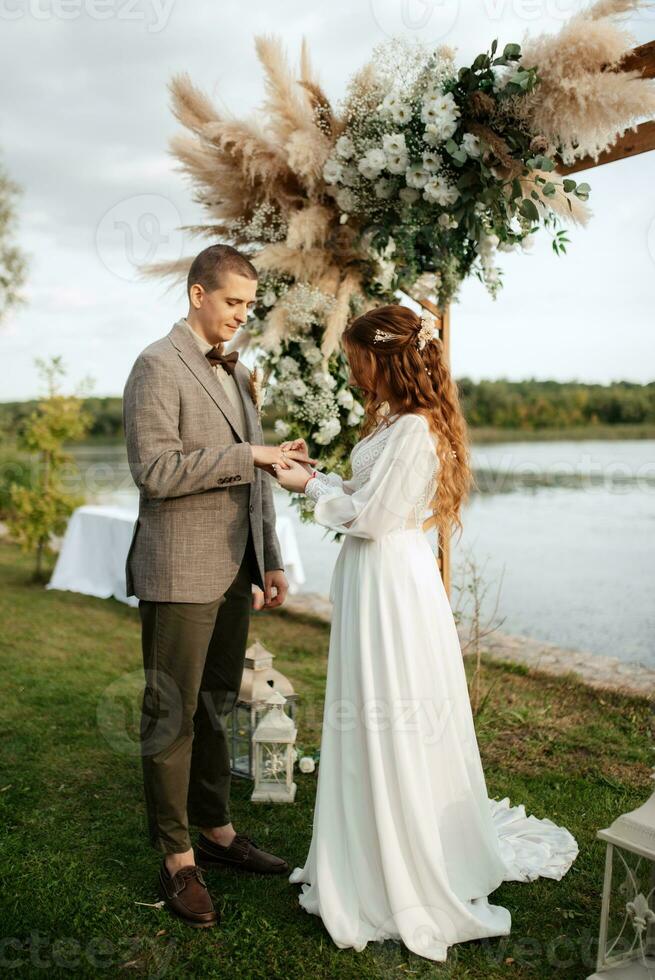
<point>406,843</point>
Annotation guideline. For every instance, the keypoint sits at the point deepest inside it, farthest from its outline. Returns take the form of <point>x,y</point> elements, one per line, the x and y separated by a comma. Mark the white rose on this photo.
<point>281,428</point>
<point>397,163</point>
<point>328,430</point>
<point>431,160</point>
<point>394,144</point>
<point>416,176</point>
<point>345,147</point>
<point>401,112</point>
<point>527,243</point>
<point>269,298</point>
<point>432,135</point>
<point>332,171</point>
<point>345,398</point>
<point>471,144</point>
<point>439,191</point>
<point>372,163</point>
<point>307,764</point>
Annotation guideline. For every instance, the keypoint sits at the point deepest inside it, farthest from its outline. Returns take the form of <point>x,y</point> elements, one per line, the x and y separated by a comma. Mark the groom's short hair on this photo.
<point>209,267</point>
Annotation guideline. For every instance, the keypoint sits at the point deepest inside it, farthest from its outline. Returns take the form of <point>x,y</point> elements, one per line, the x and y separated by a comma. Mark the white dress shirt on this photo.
<point>225,378</point>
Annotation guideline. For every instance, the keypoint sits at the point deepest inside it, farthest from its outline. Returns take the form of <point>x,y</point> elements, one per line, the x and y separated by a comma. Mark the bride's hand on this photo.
<point>298,446</point>
<point>294,478</point>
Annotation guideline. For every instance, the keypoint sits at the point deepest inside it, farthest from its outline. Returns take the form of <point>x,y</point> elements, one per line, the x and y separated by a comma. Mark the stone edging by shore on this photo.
<point>594,670</point>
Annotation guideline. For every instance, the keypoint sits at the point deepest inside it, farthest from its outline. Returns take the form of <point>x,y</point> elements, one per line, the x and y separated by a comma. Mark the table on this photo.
<point>95,546</point>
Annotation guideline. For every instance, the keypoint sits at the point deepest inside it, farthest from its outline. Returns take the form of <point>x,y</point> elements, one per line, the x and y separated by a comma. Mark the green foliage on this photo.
<point>535,404</point>
<point>40,506</point>
<point>72,826</point>
<point>12,261</point>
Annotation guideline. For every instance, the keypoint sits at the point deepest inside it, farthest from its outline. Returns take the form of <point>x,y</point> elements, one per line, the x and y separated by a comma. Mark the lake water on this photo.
<point>563,534</point>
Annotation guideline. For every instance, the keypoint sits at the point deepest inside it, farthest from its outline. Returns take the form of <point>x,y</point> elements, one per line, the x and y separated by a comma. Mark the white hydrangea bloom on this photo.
<point>345,398</point>
<point>328,430</point>
<point>345,148</point>
<point>297,387</point>
<point>346,199</point>
<point>311,353</point>
<point>324,380</point>
<point>383,188</point>
<point>349,175</point>
<point>286,366</point>
<point>408,195</point>
<point>332,171</point>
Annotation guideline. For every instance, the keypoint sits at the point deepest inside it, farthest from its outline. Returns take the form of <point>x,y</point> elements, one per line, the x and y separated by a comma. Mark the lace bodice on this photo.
<point>404,482</point>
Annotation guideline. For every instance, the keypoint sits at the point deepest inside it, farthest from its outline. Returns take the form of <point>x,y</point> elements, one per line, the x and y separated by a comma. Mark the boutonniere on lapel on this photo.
<point>256,385</point>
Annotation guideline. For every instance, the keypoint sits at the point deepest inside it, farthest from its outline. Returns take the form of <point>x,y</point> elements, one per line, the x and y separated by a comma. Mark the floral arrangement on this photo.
<point>418,179</point>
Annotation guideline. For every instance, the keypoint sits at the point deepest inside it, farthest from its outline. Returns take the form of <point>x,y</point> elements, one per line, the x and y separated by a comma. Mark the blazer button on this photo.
<point>252,508</point>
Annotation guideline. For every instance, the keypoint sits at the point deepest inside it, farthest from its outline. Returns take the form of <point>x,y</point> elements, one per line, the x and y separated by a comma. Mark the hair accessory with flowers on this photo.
<point>428,331</point>
<point>382,335</point>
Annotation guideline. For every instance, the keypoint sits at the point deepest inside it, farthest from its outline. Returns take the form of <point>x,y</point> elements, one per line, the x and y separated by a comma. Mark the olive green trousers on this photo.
<point>193,658</point>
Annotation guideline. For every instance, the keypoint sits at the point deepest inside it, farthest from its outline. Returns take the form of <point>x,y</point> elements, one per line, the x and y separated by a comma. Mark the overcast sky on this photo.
<point>85,128</point>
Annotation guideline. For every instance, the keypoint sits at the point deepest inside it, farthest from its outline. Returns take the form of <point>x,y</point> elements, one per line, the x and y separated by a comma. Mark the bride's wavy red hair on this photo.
<point>418,381</point>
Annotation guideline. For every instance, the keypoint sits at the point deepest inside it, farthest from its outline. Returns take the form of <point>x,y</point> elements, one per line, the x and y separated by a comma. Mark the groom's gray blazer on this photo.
<point>199,489</point>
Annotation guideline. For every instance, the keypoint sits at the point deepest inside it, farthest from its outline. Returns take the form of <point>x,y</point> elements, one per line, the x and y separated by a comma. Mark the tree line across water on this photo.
<point>529,405</point>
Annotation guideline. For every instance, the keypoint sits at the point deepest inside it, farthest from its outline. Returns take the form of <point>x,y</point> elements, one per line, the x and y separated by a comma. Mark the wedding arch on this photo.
<point>418,179</point>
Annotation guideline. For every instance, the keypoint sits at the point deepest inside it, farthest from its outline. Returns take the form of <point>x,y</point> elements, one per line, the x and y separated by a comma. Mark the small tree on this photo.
<point>42,509</point>
<point>473,593</point>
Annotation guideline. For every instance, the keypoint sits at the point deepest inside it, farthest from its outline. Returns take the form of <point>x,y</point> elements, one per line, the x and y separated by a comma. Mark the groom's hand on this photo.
<point>275,588</point>
<point>267,457</point>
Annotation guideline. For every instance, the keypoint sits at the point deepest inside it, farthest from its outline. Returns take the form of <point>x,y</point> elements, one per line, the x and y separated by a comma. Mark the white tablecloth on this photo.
<point>94,550</point>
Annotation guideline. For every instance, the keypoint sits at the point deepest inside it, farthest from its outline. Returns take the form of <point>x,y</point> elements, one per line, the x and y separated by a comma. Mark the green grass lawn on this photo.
<point>74,858</point>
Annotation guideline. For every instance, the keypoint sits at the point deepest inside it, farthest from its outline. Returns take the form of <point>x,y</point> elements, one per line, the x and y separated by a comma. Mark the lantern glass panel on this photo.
<point>241,732</point>
<point>273,763</point>
<point>631,911</point>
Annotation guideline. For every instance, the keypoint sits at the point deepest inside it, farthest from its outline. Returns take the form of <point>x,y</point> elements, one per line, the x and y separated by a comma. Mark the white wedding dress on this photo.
<point>406,843</point>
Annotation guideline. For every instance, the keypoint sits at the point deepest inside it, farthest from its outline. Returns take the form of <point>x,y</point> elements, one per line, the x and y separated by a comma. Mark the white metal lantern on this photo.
<point>273,743</point>
<point>259,680</point>
<point>626,947</point>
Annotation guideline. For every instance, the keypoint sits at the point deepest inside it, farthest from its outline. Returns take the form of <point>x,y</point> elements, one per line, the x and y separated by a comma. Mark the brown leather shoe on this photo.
<point>185,895</point>
<point>242,855</point>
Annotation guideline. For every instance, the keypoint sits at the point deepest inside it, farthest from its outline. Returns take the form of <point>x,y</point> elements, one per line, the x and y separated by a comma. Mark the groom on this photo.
<point>205,534</point>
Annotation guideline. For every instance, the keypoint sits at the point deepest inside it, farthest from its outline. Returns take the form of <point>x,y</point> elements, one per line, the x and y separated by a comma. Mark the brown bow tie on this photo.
<point>227,361</point>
